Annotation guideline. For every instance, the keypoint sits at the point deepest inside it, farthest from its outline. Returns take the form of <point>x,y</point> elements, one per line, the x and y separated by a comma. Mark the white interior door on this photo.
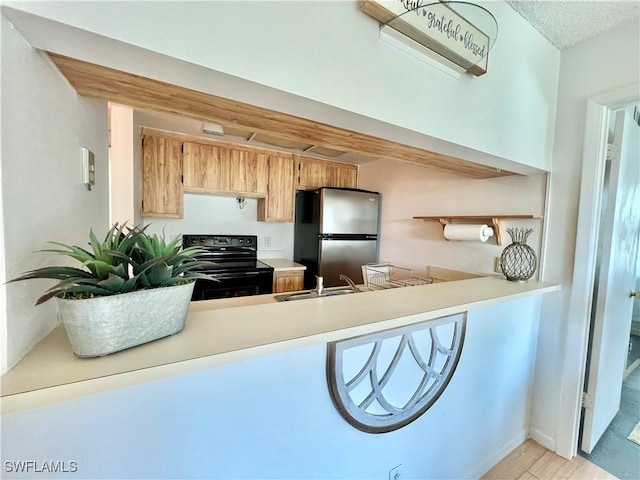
<point>613,305</point>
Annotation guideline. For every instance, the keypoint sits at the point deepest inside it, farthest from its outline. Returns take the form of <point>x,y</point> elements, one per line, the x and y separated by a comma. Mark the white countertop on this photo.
<point>281,264</point>
<point>219,332</point>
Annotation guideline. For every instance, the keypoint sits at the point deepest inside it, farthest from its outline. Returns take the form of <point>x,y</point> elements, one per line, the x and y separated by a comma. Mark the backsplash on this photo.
<point>222,215</point>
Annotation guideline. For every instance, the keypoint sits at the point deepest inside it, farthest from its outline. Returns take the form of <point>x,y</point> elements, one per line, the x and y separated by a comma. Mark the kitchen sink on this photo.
<point>328,292</point>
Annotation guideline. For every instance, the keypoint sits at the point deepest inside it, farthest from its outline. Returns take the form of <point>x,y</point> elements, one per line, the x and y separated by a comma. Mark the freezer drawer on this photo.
<point>344,211</point>
<point>344,256</point>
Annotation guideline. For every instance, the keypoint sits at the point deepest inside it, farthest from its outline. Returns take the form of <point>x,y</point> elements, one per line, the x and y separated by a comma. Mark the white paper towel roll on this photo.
<point>477,233</point>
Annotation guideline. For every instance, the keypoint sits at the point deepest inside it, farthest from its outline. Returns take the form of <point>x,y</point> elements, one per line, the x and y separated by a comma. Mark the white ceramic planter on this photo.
<point>103,325</point>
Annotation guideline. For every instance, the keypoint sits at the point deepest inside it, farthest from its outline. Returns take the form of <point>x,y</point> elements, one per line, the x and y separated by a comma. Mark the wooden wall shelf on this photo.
<point>495,221</point>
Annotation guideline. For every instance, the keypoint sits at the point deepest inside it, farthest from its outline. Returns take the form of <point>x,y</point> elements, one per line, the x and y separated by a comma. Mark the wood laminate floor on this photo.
<point>531,461</point>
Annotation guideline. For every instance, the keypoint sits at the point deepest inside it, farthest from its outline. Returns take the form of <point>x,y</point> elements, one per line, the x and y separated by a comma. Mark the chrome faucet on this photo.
<point>351,283</point>
<point>319,290</point>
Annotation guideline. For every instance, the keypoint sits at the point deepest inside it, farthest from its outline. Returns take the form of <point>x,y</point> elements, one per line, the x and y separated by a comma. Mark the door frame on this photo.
<point>599,109</point>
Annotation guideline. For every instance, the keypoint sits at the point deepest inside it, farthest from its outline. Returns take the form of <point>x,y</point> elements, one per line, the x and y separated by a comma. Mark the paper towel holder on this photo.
<point>495,221</point>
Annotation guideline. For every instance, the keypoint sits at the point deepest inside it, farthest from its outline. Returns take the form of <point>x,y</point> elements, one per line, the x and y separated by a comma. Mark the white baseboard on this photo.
<point>543,439</point>
<point>492,460</point>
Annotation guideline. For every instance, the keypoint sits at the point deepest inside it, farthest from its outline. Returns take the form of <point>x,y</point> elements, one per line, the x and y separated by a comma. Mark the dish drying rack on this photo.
<point>378,276</point>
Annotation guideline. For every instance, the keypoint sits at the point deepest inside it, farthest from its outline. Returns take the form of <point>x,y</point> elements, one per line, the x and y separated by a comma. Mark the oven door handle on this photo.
<point>226,276</point>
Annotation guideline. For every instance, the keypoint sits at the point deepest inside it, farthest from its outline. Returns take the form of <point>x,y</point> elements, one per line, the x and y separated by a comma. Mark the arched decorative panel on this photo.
<point>383,381</point>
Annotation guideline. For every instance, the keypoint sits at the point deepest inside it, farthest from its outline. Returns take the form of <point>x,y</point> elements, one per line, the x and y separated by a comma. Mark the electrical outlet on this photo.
<point>496,265</point>
<point>395,473</point>
<point>267,241</point>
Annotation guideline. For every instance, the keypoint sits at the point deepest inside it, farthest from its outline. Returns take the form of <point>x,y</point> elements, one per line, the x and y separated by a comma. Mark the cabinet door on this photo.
<point>206,167</point>
<point>345,176</point>
<point>314,173</point>
<point>278,205</point>
<point>162,188</point>
<point>248,172</point>
<point>287,281</point>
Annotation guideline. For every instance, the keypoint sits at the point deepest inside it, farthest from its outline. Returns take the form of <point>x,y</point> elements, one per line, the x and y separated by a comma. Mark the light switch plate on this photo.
<point>88,168</point>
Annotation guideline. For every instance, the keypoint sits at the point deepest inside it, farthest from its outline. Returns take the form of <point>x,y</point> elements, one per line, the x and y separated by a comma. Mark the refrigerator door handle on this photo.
<point>342,236</point>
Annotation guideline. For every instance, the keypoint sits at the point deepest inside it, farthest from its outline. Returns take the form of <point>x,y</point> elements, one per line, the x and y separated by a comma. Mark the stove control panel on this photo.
<point>250,241</point>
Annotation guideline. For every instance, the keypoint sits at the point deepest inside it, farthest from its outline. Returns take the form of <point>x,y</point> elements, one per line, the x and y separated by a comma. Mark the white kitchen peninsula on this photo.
<point>230,330</point>
<point>242,391</point>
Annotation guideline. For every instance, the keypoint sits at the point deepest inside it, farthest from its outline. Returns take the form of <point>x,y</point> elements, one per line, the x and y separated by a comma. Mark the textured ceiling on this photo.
<point>567,22</point>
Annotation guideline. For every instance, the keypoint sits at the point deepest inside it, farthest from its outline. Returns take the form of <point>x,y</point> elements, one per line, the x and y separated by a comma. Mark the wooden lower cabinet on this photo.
<point>287,281</point>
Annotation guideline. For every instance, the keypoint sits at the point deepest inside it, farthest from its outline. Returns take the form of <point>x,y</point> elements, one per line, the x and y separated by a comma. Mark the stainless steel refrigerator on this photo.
<point>336,231</point>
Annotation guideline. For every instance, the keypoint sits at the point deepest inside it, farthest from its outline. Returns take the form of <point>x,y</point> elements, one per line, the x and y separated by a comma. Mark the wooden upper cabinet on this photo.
<point>206,167</point>
<point>344,176</point>
<point>220,169</point>
<point>313,173</point>
<point>223,168</point>
<point>161,179</point>
<point>248,171</point>
<point>278,205</point>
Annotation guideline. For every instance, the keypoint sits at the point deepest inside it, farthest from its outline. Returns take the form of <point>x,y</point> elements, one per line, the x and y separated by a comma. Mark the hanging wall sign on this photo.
<point>438,27</point>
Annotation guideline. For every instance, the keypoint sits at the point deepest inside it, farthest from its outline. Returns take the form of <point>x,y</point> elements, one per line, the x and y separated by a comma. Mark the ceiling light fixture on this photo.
<point>212,129</point>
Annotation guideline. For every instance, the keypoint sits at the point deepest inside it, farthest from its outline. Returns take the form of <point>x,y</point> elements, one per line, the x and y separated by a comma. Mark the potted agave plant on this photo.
<point>133,288</point>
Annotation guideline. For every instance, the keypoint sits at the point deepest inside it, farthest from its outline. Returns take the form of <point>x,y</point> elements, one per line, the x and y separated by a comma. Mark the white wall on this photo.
<point>210,214</point>
<point>272,417</point>
<point>508,113</point>
<point>122,181</point>
<point>608,61</point>
<point>4,339</point>
<point>409,191</point>
<point>44,126</point>
<point>328,52</point>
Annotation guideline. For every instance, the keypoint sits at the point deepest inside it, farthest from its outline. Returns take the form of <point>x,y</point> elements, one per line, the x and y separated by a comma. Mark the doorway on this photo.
<point>612,384</point>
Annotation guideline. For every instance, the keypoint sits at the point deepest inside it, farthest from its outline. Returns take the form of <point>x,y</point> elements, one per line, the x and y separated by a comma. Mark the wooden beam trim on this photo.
<point>141,92</point>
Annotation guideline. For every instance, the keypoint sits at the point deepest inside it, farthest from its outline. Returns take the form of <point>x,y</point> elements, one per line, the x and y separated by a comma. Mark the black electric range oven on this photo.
<point>234,263</point>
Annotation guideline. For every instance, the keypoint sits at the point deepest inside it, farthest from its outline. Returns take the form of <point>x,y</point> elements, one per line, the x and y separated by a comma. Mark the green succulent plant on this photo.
<point>127,260</point>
